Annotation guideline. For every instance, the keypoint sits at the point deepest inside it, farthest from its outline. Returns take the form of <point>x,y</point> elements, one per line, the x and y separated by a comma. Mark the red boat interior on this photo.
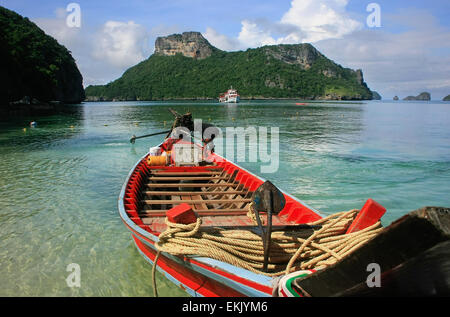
<point>219,193</point>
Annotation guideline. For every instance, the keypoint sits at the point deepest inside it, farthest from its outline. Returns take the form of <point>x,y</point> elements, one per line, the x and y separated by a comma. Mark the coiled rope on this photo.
<point>289,251</point>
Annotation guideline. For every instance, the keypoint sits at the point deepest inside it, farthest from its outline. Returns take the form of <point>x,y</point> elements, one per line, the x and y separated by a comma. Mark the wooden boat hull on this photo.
<point>200,276</point>
<point>398,249</point>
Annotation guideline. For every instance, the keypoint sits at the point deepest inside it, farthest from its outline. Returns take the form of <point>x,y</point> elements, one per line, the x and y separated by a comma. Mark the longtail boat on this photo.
<point>201,221</point>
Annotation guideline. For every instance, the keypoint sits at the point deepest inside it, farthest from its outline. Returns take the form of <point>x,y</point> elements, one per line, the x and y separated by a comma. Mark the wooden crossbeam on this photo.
<point>200,213</point>
<point>185,173</point>
<point>195,197</point>
<point>181,193</point>
<point>192,185</point>
<point>196,201</point>
<point>152,211</point>
<point>186,169</point>
<point>186,178</point>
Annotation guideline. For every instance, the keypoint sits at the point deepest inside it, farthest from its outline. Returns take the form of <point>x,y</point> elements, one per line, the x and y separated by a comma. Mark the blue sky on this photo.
<point>408,54</point>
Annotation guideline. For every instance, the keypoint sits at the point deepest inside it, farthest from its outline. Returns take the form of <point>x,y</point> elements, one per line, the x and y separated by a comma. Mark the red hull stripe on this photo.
<point>233,278</point>
<point>198,283</point>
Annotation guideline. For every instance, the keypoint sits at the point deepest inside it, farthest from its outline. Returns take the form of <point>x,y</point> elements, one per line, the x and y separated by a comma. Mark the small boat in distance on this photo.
<point>230,96</point>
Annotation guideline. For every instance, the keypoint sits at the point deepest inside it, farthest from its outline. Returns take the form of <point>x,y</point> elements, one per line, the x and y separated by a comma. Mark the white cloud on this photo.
<point>102,53</point>
<point>307,21</point>
<point>320,19</point>
<point>253,35</point>
<point>221,41</point>
<point>122,44</point>
<point>403,63</point>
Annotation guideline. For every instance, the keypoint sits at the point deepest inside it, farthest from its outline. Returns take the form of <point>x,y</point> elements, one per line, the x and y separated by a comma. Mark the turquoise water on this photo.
<point>60,181</point>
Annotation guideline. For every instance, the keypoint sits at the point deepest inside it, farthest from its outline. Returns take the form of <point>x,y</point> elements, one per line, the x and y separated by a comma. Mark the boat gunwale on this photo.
<point>214,265</point>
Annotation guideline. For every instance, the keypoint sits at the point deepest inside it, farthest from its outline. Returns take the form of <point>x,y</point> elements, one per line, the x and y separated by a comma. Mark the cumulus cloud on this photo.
<point>122,44</point>
<point>221,41</point>
<point>319,20</point>
<point>102,53</point>
<point>402,63</point>
<point>306,21</point>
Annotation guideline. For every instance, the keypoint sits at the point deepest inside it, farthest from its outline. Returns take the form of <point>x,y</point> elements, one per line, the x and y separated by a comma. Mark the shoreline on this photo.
<point>216,99</point>
<point>37,109</point>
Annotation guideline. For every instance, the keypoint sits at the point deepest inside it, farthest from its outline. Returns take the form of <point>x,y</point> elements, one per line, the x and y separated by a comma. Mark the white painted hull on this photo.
<point>230,100</point>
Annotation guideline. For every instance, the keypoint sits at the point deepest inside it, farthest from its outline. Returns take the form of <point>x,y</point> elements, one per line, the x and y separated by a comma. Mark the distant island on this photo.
<point>447,98</point>
<point>426,96</point>
<point>187,66</point>
<point>37,73</point>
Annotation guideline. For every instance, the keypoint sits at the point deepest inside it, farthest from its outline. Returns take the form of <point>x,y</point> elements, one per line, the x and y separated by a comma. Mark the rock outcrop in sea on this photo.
<point>34,68</point>
<point>425,96</point>
<point>396,98</point>
<point>447,98</point>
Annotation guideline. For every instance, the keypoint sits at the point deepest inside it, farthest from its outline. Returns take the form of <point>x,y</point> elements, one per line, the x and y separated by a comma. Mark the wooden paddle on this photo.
<point>180,120</point>
<point>134,138</point>
<point>270,199</point>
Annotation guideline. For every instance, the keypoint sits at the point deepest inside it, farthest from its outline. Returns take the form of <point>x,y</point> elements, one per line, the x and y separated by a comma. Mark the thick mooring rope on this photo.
<point>289,252</point>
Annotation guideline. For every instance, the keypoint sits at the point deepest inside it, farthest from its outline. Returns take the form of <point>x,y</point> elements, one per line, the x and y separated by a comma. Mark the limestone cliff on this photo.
<point>189,44</point>
<point>303,55</point>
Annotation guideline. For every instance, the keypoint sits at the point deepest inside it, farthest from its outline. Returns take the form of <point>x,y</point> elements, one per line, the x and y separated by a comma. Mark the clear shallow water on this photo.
<point>59,183</point>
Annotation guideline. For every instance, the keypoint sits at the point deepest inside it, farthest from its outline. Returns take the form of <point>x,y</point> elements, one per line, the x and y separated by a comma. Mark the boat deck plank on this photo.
<point>157,224</point>
<point>196,185</point>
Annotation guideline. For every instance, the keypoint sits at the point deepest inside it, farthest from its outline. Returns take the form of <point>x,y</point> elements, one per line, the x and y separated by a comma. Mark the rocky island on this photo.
<point>38,74</point>
<point>187,66</point>
<point>425,96</point>
<point>447,98</point>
